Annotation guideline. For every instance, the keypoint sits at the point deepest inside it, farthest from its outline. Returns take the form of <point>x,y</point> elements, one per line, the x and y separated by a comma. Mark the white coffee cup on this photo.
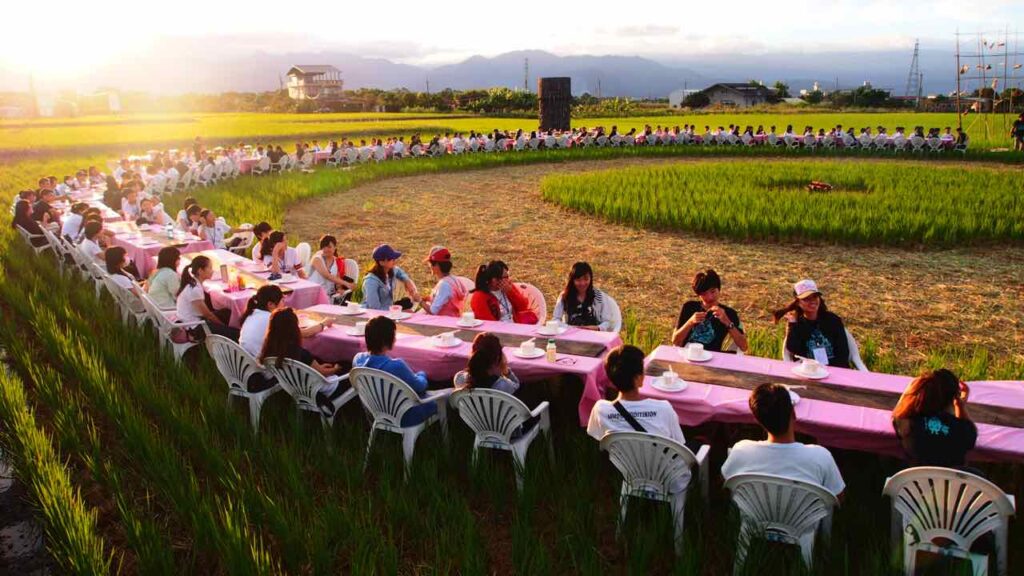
<point>694,350</point>
<point>361,327</point>
<point>353,307</point>
<point>468,318</point>
<point>810,366</point>
<point>528,347</point>
<point>552,325</point>
<point>448,338</point>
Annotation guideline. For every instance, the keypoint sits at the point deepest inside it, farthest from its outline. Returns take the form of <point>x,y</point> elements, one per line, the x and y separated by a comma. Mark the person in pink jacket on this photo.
<point>449,295</point>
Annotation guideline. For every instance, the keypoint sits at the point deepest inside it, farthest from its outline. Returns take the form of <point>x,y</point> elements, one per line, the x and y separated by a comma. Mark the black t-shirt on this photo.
<point>40,208</point>
<point>826,332</point>
<point>711,332</point>
<point>581,313</point>
<point>938,440</point>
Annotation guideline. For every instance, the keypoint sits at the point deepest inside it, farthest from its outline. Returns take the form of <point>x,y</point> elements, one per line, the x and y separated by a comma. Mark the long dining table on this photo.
<point>143,243</point>
<point>580,352</point>
<point>847,409</point>
<point>298,292</point>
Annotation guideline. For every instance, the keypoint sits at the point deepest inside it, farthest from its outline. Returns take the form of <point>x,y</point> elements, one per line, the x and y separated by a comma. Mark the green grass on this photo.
<point>186,488</point>
<point>872,203</point>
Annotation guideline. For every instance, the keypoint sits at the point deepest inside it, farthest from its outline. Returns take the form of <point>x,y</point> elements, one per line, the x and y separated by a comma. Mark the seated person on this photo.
<point>43,212</point>
<point>183,220</point>
<point>812,330</point>
<point>260,232</point>
<point>23,217</point>
<point>328,269</point>
<point>380,339</point>
<point>280,257</point>
<point>162,285</point>
<point>194,218</point>
<point>706,321</point>
<point>91,242</point>
<point>781,454</point>
<point>116,260</point>
<point>582,305</point>
<point>71,228</point>
<point>487,367</point>
<point>284,340</point>
<point>215,231</point>
<point>379,282</point>
<point>152,213</point>
<point>193,303</point>
<point>130,204</point>
<point>496,297</point>
<point>931,421</point>
<point>257,316</point>
<point>449,294</point>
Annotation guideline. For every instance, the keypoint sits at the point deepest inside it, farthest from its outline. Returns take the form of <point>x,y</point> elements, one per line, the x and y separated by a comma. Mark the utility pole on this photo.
<point>526,74</point>
<point>428,84</point>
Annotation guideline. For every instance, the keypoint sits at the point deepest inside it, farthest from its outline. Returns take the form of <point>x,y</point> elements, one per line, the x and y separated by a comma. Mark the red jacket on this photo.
<point>485,306</point>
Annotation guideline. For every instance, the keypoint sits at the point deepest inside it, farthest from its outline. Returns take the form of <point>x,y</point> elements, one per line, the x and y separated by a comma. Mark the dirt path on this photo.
<point>907,300</point>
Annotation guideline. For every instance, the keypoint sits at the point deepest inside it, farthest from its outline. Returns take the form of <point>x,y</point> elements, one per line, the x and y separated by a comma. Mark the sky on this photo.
<point>63,38</point>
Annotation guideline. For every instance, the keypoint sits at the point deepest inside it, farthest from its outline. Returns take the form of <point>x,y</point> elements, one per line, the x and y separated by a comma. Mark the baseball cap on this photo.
<point>805,288</point>
<point>385,252</point>
<point>439,254</point>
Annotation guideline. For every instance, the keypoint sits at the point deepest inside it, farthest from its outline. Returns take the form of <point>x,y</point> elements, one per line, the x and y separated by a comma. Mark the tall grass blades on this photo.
<point>874,204</point>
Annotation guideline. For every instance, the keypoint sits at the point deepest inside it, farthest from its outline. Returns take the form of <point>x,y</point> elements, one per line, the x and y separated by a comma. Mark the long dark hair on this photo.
<point>487,272</point>
<point>188,274</point>
<point>377,269</point>
<point>22,213</point>
<point>266,294</point>
<point>486,354</point>
<point>794,306</point>
<point>274,239</point>
<point>283,336</point>
<point>167,257</point>
<point>578,270</point>
<point>114,257</point>
<point>928,395</point>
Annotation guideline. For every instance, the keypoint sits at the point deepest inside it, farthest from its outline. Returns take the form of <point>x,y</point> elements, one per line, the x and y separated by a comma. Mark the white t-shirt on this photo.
<point>184,308</point>
<point>215,234</point>
<point>254,330</point>
<point>290,261</point>
<point>655,416</point>
<point>797,461</point>
<point>72,226</point>
<point>90,248</point>
<point>123,281</point>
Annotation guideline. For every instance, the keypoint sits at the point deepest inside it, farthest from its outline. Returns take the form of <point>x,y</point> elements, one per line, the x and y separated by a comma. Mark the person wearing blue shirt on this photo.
<point>380,339</point>
<point>379,283</point>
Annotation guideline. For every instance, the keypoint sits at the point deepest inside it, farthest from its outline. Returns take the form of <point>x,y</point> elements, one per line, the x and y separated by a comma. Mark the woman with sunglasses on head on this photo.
<point>813,331</point>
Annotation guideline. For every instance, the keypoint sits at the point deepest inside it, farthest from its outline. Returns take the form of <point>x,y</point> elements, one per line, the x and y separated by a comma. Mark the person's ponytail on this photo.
<point>481,280</point>
<point>188,273</point>
<point>793,306</point>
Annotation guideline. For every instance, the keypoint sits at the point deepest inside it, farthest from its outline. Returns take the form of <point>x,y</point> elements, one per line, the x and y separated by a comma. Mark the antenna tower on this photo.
<point>913,88</point>
<point>526,74</point>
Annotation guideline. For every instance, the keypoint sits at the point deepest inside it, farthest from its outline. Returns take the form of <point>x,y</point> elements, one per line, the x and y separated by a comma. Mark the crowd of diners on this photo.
<point>931,420</point>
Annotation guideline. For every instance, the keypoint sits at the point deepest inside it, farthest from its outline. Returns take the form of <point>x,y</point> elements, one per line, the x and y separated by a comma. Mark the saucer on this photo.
<point>823,373</point>
<point>544,331</point>
<point>355,332</point>
<point>399,316</point>
<point>537,353</point>
<point>347,312</point>
<point>703,358</point>
<point>677,385</point>
<point>289,279</point>
<point>473,324</point>
<point>438,343</point>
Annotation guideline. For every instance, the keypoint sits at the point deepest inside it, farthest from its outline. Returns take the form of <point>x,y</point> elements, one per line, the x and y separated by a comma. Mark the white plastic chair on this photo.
<point>206,177</point>
<point>29,237</point>
<point>131,307</point>
<point>930,503</point>
<point>305,253</point>
<point>261,167</point>
<point>387,399</point>
<point>60,249</point>
<point>651,466</point>
<point>780,510</point>
<point>237,366</point>
<point>166,327</point>
<point>247,236</point>
<point>495,417</point>
<point>538,305</point>
<point>616,312</point>
<point>855,360</point>
<point>302,383</point>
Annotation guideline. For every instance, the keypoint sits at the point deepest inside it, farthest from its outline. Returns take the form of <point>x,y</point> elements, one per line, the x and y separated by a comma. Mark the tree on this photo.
<point>781,89</point>
<point>696,100</point>
<point>814,97</point>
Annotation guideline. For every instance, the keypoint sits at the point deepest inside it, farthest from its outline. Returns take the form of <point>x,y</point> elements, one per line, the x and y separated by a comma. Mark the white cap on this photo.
<point>805,288</point>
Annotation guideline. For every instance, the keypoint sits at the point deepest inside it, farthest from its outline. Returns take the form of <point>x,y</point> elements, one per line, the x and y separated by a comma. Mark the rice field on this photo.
<point>136,133</point>
<point>139,466</point>
<point>871,203</point>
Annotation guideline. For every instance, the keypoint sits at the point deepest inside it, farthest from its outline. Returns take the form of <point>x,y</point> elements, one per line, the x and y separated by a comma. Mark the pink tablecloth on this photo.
<point>335,344</point>
<point>832,424</point>
<point>142,253</point>
<point>304,293</point>
<point>245,164</point>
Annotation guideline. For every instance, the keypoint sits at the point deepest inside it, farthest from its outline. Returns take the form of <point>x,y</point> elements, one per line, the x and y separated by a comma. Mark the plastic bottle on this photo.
<point>169,230</point>
<point>551,352</point>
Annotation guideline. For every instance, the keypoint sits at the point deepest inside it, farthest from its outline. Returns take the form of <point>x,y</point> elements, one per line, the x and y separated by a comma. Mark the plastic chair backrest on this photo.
<point>384,396</point>
<point>950,504</point>
<point>616,312</point>
<point>782,506</point>
<point>300,381</point>
<point>305,253</point>
<point>233,362</point>
<point>352,270</point>
<point>491,414</point>
<point>538,305</point>
<point>648,463</point>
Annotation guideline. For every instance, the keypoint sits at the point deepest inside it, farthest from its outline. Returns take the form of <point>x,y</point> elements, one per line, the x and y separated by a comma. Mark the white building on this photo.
<point>314,82</point>
<point>739,95</point>
<point>676,97</point>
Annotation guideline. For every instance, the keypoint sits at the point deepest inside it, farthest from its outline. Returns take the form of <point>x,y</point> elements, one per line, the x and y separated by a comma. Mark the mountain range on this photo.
<point>196,68</point>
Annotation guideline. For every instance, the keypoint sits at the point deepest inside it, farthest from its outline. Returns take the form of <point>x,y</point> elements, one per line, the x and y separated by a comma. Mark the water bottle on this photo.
<point>169,230</point>
<point>550,352</point>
